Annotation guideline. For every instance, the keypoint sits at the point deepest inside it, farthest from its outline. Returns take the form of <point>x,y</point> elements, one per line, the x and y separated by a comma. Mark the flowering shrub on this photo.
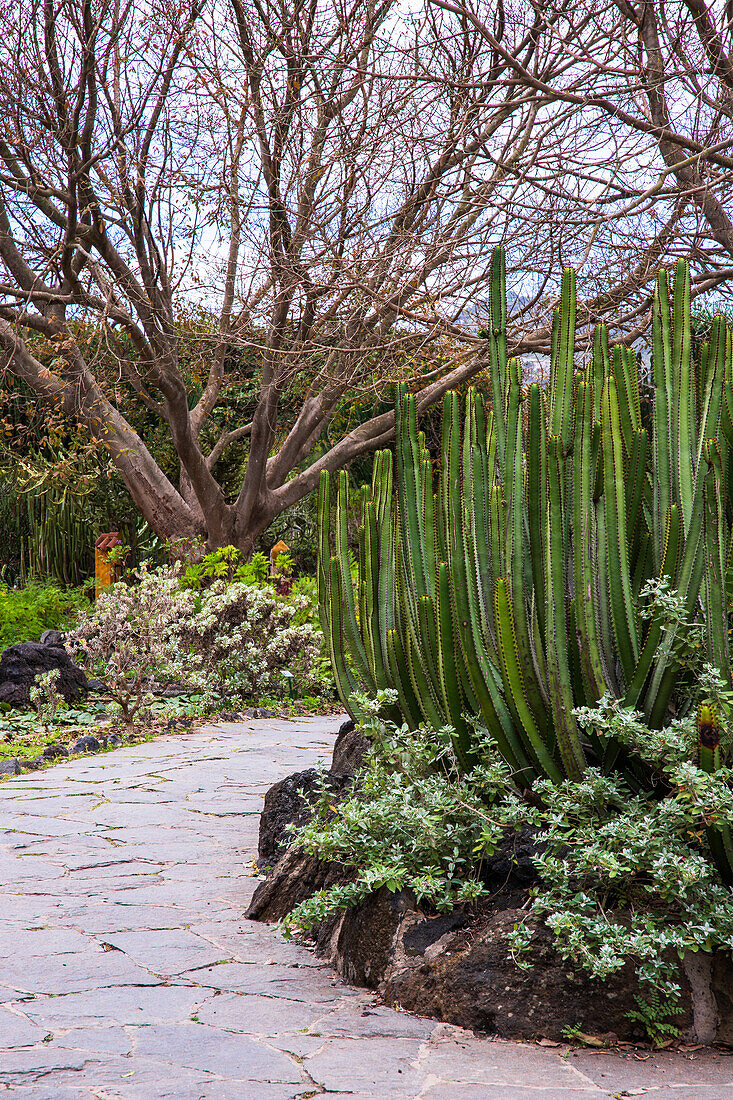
<point>45,697</point>
<point>128,639</point>
<point>244,637</point>
<point>229,639</point>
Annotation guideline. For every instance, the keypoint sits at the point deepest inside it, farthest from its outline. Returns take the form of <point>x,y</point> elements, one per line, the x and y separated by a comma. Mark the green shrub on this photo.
<point>25,613</point>
<point>227,564</point>
<point>414,822</point>
<point>624,878</point>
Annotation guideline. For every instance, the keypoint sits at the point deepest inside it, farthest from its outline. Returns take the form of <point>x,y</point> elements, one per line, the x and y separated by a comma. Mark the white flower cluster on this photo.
<point>245,638</point>
<point>226,640</point>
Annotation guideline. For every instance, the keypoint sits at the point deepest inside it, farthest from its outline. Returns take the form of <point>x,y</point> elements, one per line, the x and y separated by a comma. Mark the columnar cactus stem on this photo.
<point>509,591</point>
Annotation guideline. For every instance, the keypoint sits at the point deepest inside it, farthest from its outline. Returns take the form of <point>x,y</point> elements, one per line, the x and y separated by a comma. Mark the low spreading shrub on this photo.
<point>26,612</point>
<point>624,877</point>
<point>227,640</point>
<point>413,822</point>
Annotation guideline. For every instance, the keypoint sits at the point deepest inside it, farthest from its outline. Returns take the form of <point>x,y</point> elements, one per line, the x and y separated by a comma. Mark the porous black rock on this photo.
<point>114,741</point>
<point>296,877</point>
<point>291,801</point>
<point>469,977</point>
<point>426,932</point>
<point>53,638</point>
<point>21,664</point>
<point>10,767</point>
<point>55,751</point>
<point>365,945</point>
<point>87,743</point>
<point>349,751</point>
<point>511,870</point>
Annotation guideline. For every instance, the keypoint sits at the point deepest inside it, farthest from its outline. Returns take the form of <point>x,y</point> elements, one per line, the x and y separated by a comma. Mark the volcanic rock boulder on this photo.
<point>460,967</point>
<point>20,664</point>
<point>295,875</point>
<point>469,976</point>
<point>291,801</point>
<point>349,751</point>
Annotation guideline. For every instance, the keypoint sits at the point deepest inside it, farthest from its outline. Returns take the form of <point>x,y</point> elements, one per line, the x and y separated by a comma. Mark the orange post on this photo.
<point>105,571</point>
<point>279,548</point>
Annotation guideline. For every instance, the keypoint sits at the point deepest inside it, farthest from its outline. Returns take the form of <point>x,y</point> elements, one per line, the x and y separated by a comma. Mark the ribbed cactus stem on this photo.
<point>510,589</point>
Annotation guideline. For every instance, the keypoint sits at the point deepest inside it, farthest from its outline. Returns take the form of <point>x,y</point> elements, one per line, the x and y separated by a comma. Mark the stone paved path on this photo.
<point>127,971</point>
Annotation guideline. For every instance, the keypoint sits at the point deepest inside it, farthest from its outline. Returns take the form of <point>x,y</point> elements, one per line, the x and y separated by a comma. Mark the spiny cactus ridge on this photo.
<point>506,588</point>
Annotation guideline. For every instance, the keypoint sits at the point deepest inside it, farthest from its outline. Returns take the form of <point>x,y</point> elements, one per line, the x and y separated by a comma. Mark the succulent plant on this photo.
<point>506,588</point>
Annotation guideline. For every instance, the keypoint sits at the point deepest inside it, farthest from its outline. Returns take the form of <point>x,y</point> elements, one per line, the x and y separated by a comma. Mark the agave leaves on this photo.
<point>505,584</point>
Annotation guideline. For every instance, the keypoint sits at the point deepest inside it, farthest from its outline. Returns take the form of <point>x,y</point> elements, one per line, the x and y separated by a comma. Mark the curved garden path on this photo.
<point>127,970</point>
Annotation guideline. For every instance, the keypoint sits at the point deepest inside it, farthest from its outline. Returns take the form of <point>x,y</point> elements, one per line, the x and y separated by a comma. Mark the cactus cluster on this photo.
<point>506,588</point>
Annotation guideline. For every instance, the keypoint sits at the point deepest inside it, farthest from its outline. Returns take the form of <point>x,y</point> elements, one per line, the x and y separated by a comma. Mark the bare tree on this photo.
<point>642,171</point>
<point>328,178</point>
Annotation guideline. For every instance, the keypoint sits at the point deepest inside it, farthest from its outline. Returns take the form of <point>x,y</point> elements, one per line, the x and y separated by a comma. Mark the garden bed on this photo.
<point>460,966</point>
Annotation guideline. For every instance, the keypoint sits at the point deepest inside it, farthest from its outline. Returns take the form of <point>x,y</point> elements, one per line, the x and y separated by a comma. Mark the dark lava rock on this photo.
<point>349,751</point>
<point>510,871</point>
<point>87,743</point>
<point>53,637</point>
<point>291,801</point>
<point>295,877</point>
<point>114,741</point>
<point>365,947</point>
<point>425,933</point>
<point>178,723</point>
<point>472,980</point>
<point>54,751</point>
<point>20,664</point>
<point>10,767</point>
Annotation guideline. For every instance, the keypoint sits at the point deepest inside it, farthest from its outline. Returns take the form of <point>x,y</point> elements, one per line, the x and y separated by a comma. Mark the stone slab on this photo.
<point>129,972</point>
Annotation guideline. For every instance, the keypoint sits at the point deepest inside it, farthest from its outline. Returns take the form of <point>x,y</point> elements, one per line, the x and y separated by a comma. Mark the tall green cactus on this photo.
<point>507,586</point>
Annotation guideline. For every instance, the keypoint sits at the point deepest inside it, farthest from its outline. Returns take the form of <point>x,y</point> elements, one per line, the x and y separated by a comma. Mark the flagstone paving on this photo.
<point>127,970</point>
